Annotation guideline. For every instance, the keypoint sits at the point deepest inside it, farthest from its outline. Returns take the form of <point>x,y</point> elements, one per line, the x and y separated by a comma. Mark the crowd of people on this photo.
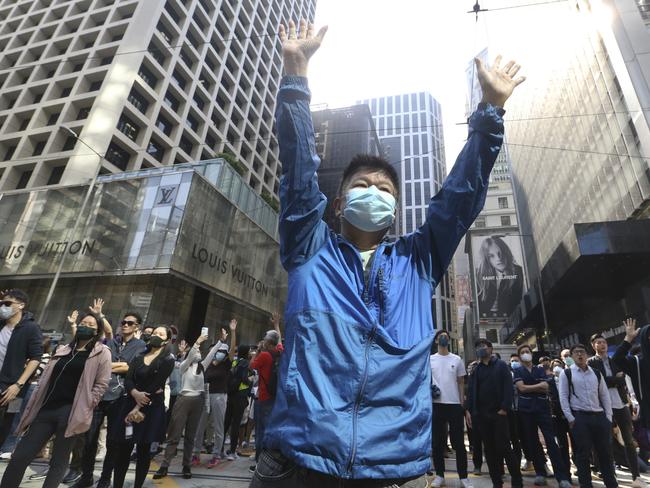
<point>131,387</point>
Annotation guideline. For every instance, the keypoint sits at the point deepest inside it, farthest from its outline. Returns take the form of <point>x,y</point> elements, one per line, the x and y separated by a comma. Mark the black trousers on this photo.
<point>123,459</point>
<point>623,419</point>
<point>111,411</point>
<point>495,432</point>
<point>531,421</point>
<point>452,415</point>
<point>477,447</point>
<point>563,436</point>
<point>276,471</point>
<point>593,431</point>
<point>235,408</point>
<point>47,423</point>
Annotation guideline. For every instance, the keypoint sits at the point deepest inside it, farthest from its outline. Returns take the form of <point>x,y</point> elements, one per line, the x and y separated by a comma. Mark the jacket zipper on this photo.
<point>364,381</point>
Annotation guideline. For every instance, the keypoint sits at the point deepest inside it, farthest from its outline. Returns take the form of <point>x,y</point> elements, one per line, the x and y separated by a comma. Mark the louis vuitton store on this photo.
<point>189,245</point>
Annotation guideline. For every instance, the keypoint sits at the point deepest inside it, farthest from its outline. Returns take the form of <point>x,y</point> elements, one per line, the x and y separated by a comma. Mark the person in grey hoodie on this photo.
<point>187,411</point>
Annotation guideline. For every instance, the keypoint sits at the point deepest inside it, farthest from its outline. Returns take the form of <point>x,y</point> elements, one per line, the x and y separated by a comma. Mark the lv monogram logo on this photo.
<point>166,195</point>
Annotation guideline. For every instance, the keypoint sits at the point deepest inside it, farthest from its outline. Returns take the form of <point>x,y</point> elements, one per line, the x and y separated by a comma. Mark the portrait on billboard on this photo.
<point>499,275</point>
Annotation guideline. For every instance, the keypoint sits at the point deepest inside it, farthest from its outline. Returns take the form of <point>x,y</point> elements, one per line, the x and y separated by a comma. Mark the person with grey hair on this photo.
<point>266,363</point>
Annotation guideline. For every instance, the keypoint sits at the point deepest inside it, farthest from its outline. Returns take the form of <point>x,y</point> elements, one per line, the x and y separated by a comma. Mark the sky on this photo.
<point>385,47</point>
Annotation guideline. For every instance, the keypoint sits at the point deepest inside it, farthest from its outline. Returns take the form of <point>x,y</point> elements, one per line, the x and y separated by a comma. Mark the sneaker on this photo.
<point>213,462</point>
<point>196,460</point>
<point>187,472</point>
<point>38,476</point>
<point>527,466</point>
<point>540,481</point>
<point>465,483</point>
<point>252,468</point>
<point>477,472</point>
<point>438,482</point>
<point>104,483</point>
<point>567,484</point>
<point>84,483</point>
<point>161,473</point>
<point>71,477</point>
<point>639,483</point>
<point>232,456</point>
<point>5,456</point>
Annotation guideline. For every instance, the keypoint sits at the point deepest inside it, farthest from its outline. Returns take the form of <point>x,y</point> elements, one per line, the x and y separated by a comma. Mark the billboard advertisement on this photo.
<point>498,275</point>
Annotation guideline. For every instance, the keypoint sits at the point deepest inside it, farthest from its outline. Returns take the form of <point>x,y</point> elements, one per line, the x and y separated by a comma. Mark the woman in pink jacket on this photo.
<point>70,388</point>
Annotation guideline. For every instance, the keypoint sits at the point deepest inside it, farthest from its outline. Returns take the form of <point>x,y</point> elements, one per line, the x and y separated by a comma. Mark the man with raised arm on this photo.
<point>354,399</point>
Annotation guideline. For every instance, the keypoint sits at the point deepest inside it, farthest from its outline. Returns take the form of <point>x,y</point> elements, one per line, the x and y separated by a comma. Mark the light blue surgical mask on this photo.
<point>514,364</point>
<point>369,209</point>
<point>220,356</point>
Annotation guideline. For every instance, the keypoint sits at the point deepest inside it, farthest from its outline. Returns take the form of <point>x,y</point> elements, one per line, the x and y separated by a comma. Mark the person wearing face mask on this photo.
<point>359,308</point>
<point>489,398</point>
<point>187,411</point>
<point>217,364</point>
<point>147,332</point>
<point>534,412</point>
<point>514,361</point>
<point>70,388</point>
<point>565,355</point>
<point>21,347</point>
<point>448,374</point>
<point>559,421</point>
<point>143,411</point>
<point>124,348</point>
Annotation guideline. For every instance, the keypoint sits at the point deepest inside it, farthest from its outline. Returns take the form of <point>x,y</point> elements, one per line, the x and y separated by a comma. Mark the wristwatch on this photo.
<point>20,385</point>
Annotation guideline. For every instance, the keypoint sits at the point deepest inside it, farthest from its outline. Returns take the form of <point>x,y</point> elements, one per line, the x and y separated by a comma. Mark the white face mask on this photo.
<point>557,370</point>
<point>527,357</point>
<point>6,312</point>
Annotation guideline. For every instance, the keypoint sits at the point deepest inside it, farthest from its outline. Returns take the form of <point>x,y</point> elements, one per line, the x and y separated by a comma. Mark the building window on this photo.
<point>479,223</point>
<point>70,143</point>
<point>66,91</point>
<point>192,123</point>
<point>55,175</point>
<point>171,101</point>
<point>138,101</point>
<point>106,60</point>
<point>148,77</point>
<point>178,80</point>
<point>118,156</point>
<point>95,85</point>
<point>53,118</point>
<point>38,148</point>
<point>10,153</point>
<point>185,145</point>
<point>156,150</point>
<point>23,124</point>
<point>503,202</point>
<point>164,125</point>
<point>505,220</point>
<point>24,179</point>
<point>83,113</point>
<point>164,33</point>
<point>127,127</point>
<point>157,55</point>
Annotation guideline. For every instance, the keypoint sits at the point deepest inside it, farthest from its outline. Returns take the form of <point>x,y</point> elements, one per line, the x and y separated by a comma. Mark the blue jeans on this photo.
<point>12,440</point>
<point>262,414</point>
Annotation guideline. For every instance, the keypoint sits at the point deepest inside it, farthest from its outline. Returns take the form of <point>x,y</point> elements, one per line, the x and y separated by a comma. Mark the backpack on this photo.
<point>272,384</point>
<point>238,375</point>
<point>572,390</point>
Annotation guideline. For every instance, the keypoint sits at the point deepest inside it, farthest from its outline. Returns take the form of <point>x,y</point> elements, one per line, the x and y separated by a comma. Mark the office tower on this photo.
<point>143,84</point>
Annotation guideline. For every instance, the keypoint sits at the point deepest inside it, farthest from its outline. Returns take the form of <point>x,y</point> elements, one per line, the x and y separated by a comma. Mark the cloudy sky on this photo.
<point>385,47</point>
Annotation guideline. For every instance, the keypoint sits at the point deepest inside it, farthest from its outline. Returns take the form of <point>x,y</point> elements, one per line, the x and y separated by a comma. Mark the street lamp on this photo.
<point>72,232</point>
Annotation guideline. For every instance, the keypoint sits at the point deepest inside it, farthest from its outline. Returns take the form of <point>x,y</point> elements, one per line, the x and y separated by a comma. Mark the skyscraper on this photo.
<point>341,134</point>
<point>143,84</point>
<point>580,150</point>
<point>409,126</point>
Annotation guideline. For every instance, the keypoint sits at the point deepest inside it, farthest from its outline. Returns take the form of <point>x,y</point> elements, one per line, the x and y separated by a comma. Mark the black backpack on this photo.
<point>238,375</point>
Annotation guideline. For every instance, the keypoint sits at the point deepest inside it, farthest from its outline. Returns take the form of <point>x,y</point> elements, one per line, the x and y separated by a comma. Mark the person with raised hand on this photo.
<point>353,395</point>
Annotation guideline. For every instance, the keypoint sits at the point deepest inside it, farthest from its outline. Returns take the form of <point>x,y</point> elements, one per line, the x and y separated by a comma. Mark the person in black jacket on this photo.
<point>615,380</point>
<point>21,348</point>
<point>144,409</point>
<point>636,367</point>
<point>489,400</point>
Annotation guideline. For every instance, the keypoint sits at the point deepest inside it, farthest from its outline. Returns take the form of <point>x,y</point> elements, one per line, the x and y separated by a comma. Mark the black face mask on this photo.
<point>156,341</point>
<point>146,338</point>
<point>84,333</point>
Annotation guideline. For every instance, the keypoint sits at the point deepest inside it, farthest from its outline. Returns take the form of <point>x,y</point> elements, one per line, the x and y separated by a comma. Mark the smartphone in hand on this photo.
<point>204,331</point>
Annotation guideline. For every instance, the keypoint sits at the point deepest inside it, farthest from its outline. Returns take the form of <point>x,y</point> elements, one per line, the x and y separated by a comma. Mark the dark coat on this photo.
<point>26,343</point>
<point>629,364</point>
<point>612,381</point>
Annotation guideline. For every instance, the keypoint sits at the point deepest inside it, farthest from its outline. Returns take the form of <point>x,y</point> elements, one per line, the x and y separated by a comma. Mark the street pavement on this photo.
<point>235,474</point>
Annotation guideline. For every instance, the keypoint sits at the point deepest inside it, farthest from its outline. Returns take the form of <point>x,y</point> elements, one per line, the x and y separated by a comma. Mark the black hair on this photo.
<point>166,350</point>
<point>577,346</point>
<point>521,347</point>
<point>152,327</point>
<point>482,342</point>
<point>368,161</point>
<point>595,336</point>
<point>16,293</point>
<point>138,317</point>
<point>100,330</point>
<point>514,355</point>
<point>243,350</point>
<point>441,331</point>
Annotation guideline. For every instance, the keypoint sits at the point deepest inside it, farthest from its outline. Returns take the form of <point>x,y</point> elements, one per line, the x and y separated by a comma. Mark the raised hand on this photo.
<point>496,82</point>
<point>299,45</point>
<point>233,325</point>
<point>630,329</point>
<point>72,318</point>
<point>97,306</point>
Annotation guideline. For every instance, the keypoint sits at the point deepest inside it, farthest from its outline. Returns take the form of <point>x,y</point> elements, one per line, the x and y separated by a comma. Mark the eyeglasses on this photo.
<point>579,351</point>
<point>6,303</point>
<point>130,323</point>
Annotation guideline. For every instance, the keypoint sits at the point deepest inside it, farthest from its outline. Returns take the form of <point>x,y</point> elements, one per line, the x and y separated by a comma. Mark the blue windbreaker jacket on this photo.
<point>354,397</point>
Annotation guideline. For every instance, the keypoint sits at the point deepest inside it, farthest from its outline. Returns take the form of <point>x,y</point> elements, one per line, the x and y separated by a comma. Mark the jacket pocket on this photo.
<point>274,467</point>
